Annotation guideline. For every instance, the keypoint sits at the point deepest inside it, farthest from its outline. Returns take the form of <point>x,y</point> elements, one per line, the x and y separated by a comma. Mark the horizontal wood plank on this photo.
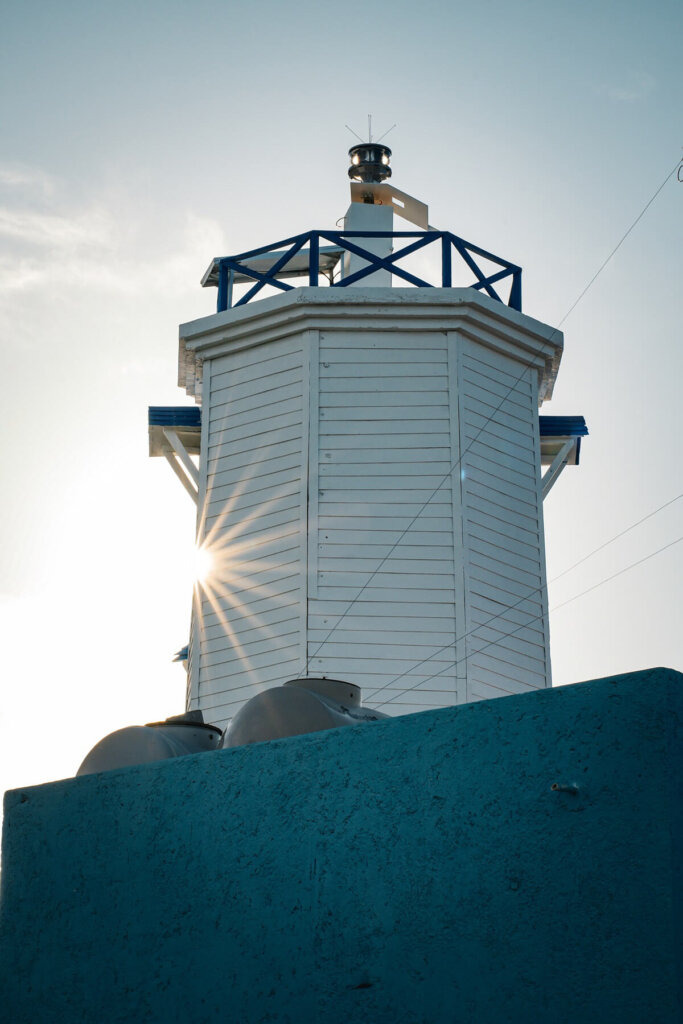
<point>367,540</point>
<point>241,528</point>
<point>259,386</point>
<point>366,359</point>
<point>510,556</point>
<point>360,415</point>
<point>256,370</point>
<point>518,378</point>
<point>262,470</point>
<point>385,369</point>
<point>430,520</point>
<point>248,622</point>
<point>385,383</point>
<point>369,606</point>
<point>273,482</point>
<point>334,553</point>
<point>375,643</point>
<point>379,399</point>
<point>387,595</point>
<point>368,341</point>
<point>509,578</point>
<point>248,654</point>
<point>483,499</point>
<point>382,511</point>
<point>255,608</point>
<point>386,457</point>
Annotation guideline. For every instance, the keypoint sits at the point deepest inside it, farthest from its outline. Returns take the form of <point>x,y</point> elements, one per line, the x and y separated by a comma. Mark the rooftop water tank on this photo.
<point>299,706</point>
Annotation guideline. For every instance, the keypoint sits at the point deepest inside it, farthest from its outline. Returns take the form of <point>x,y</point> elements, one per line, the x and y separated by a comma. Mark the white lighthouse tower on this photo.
<point>372,464</point>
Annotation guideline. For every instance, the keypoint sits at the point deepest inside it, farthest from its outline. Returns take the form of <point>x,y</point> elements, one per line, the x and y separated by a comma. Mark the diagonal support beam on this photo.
<point>182,465</point>
<point>177,469</point>
<point>182,453</point>
<point>555,468</point>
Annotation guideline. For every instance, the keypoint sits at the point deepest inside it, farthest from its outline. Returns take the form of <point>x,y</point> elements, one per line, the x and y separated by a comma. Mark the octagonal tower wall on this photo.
<point>370,496</point>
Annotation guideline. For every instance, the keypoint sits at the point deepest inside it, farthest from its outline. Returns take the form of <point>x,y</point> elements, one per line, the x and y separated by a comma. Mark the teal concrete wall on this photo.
<point>415,871</point>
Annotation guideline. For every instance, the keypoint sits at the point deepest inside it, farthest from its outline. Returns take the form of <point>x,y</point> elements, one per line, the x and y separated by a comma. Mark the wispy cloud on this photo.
<point>635,86</point>
<point>55,231</point>
<point>21,176</point>
<point>106,243</point>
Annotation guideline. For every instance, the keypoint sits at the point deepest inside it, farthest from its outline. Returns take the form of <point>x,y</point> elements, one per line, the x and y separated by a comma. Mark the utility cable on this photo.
<point>455,465</point>
<point>417,515</point>
<point>623,533</point>
<point>619,244</point>
<point>521,600</point>
<point>219,693</point>
<point>512,632</point>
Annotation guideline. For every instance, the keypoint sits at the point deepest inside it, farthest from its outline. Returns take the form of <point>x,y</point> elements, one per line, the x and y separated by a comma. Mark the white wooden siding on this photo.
<point>384,448</point>
<point>350,532</point>
<point>502,525</point>
<point>248,633</point>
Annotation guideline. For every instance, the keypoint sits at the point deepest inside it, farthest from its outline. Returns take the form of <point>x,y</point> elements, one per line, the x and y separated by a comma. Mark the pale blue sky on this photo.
<point>141,139</point>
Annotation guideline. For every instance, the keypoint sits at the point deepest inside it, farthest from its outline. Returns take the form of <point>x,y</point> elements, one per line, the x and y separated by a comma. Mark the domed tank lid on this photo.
<point>189,719</point>
<point>335,689</point>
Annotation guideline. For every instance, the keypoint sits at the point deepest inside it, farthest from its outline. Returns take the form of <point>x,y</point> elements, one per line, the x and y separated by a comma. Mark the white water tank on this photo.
<point>299,706</point>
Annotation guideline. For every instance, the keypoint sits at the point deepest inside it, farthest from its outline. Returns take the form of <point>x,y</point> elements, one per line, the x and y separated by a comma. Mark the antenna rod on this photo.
<point>386,133</point>
<point>353,133</point>
<point>369,127</point>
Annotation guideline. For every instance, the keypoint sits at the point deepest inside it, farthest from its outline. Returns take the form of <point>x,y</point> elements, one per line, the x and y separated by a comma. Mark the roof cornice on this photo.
<point>377,309</point>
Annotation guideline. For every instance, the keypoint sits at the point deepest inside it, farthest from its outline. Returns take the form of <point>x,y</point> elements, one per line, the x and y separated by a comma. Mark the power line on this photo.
<point>512,632</point>
<point>455,465</point>
<point>619,573</point>
<point>623,533</point>
<point>417,515</point>
<point>623,238</point>
<point>526,597</point>
<point>482,625</point>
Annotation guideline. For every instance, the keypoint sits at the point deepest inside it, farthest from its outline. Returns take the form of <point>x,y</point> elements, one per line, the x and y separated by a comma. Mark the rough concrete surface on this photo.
<point>419,870</point>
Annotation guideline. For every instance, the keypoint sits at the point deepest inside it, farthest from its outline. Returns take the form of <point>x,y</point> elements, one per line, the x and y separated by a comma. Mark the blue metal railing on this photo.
<point>226,268</point>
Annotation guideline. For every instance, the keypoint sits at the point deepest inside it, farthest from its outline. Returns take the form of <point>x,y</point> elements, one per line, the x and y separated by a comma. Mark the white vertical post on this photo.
<point>369,217</point>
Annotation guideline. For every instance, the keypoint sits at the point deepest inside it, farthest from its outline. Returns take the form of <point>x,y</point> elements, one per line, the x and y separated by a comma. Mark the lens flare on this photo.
<point>203,564</point>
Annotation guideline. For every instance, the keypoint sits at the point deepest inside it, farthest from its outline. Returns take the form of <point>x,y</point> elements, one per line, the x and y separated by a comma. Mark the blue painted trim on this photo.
<point>174,416</point>
<point>446,262</point>
<point>515,298</point>
<point>314,260</point>
<point>563,426</point>
<point>376,262</point>
<point>223,300</point>
<point>229,265</point>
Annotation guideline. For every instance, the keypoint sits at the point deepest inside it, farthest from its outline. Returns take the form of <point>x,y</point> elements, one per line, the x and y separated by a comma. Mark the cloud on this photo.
<point>107,243</point>
<point>56,231</point>
<point>20,176</point>
<point>636,86</point>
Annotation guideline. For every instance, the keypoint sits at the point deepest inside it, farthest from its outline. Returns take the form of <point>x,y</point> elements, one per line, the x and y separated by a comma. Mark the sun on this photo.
<point>203,564</point>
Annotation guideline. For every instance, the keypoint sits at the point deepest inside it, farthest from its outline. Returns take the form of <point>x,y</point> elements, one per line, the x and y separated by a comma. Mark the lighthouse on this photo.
<point>368,463</point>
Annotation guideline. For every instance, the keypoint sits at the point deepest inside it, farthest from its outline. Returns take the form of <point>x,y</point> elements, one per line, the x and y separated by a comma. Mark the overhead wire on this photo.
<point>444,480</point>
<point>619,244</point>
<point>489,419</point>
<point>498,640</point>
<point>525,625</point>
<point>531,593</point>
<point>617,536</point>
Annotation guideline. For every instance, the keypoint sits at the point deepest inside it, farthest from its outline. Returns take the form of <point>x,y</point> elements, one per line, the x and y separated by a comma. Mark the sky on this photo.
<point>139,140</point>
